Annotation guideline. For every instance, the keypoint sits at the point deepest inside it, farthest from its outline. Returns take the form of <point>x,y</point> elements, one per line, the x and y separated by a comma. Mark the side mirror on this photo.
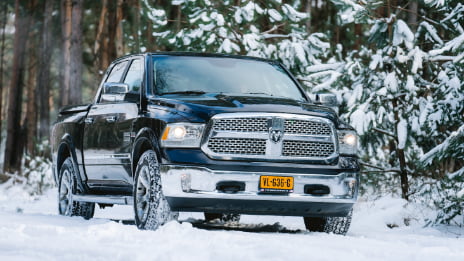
<point>327,99</point>
<point>115,88</point>
<point>114,91</point>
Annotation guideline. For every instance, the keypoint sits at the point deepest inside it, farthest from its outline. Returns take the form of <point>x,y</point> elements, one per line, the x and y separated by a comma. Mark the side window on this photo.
<point>134,76</point>
<point>117,72</point>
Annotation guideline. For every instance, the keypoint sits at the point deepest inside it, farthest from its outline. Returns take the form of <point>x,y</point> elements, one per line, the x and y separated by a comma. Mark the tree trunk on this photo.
<point>358,35</point>
<point>43,76</point>
<point>32,103</point>
<point>111,25</point>
<point>119,32</point>
<point>150,43</point>
<point>173,13</point>
<point>412,14</point>
<point>307,10</point>
<point>66,12</point>
<point>2,52</point>
<point>3,178</point>
<point>72,51</point>
<point>101,38</point>
<point>178,17</point>
<point>401,157</point>
<point>136,27</point>
<point>403,175</point>
<point>62,57</point>
<point>105,49</point>
<point>76,53</point>
<point>14,139</point>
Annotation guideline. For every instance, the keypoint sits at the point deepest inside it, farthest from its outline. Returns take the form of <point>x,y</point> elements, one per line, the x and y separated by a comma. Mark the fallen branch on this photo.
<point>385,132</point>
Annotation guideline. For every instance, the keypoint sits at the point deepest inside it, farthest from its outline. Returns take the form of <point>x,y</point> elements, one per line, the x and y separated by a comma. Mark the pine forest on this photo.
<point>396,67</point>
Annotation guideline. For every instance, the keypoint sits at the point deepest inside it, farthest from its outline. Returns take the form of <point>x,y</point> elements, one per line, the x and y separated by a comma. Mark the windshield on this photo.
<point>191,75</point>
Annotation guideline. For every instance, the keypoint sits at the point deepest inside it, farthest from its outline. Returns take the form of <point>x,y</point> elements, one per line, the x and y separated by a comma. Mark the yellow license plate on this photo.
<point>275,184</point>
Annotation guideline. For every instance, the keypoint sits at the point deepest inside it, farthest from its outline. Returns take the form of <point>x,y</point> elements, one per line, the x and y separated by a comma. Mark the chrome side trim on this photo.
<point>109,156</point>
<point>105,199</point>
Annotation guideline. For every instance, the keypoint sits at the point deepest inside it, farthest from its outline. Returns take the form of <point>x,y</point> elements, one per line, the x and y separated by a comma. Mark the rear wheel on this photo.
<point>336,225</point>
<point>150,206</point>
<point>66,189</point>
<point>222,217</point>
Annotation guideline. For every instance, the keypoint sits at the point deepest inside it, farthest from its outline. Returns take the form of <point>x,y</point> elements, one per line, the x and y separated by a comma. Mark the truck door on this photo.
<point>108,129</point>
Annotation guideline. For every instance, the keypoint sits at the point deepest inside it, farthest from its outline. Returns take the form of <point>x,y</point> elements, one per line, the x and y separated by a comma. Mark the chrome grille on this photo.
<point>306,127</point>
<point>242,125</point>
<point>293,148</point>
<point>237,146</point>
<point>270,136</point>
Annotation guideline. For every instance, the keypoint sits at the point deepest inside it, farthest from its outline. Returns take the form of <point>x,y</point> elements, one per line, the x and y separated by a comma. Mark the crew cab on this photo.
<point>220,134</point>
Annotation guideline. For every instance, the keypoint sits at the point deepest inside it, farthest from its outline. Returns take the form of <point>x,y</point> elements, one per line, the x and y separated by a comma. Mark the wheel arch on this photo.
<point>67,149</point>
<point>145,139</point>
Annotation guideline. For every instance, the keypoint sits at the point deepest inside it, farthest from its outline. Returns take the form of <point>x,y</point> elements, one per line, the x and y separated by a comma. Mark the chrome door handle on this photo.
<point>110,119</point>
<point>89,120</point>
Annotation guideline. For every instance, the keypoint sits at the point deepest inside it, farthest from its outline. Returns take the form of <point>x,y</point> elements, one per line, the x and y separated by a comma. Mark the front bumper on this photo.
<point>191,188</point>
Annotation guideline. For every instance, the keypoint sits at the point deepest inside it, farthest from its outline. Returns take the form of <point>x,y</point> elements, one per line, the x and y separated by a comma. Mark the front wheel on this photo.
<point>66,189</point>
<point>150,206</point>
<point>336,225</point>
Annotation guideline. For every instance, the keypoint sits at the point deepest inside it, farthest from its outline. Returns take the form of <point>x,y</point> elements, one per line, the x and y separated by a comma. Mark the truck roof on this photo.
<point>198,54</point>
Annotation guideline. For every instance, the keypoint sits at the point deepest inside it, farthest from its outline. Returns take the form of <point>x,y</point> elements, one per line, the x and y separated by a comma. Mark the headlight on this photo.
<point>348,142</point>
<point>182,135</point>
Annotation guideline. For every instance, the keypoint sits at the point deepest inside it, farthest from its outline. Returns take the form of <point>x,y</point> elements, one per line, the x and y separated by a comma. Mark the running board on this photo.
<point>105,199</point>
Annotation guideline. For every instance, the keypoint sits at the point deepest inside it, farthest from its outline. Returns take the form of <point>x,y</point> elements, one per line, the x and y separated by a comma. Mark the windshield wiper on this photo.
<point>268,94</point>
<point>185,92</point>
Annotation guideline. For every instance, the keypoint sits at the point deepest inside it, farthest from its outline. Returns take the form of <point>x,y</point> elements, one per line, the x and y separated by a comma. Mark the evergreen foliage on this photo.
<point>269,29</point>
<point>404,94</point>
<point>447,192</point>
<point>400,83</point>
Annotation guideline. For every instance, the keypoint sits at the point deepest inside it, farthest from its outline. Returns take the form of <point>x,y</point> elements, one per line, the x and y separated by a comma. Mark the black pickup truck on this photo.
<point>220,134</point>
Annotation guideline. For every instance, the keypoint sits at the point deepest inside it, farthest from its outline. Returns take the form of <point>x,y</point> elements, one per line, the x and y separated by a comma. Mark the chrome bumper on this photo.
<point>194,189</point>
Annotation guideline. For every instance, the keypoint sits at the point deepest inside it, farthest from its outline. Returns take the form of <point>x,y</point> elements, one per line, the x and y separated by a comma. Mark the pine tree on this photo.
<point>442,114</point>
<point>269,29</point>
<point>403,91</point>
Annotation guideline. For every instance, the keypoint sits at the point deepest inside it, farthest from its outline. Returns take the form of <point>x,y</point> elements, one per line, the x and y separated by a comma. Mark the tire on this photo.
<point>336,225</point>
<point>150,206</point>
<point>67,188</point>
<point>222,217</point>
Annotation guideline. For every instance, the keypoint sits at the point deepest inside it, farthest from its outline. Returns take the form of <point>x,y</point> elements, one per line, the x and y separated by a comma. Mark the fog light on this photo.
<point>351,184</point>
<point>186,182</point>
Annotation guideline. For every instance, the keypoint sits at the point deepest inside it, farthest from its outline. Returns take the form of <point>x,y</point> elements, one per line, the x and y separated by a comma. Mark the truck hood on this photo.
<point>200,108</point>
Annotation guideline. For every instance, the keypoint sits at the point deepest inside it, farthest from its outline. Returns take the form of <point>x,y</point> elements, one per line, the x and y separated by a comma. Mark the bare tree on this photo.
<point>72,51</point>
<point>412,14</point>
<point>43,75</point>
<point>119,32</point>
<point>14,139</point>
<point>76,53</point>
<point>307,9</point>
<point>101,60</point>
<point>30,119</point>
<point>2,52</point>
<point>136,27</point>
<point>109,40</point>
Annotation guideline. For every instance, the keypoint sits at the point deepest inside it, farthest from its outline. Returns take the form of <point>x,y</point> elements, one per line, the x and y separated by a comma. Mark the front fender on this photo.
<point>145,139</point>
<point>67,149</point>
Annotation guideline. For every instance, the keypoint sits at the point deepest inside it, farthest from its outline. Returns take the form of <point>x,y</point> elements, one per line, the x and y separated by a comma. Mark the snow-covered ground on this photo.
<point>30,229</point>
